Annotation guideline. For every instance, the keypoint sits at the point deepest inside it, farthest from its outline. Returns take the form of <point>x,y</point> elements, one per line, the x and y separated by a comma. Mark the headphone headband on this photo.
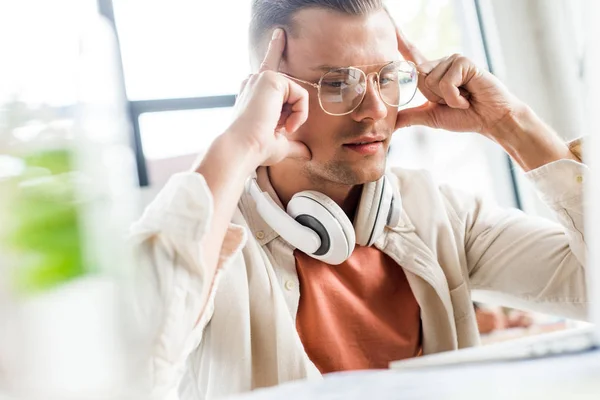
<point>316,225</point>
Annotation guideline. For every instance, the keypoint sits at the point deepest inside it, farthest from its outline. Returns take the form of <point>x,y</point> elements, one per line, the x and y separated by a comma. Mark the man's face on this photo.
<point>327,38</point>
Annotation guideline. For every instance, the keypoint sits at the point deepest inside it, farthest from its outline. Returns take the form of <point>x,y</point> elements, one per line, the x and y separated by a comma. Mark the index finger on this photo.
<point>408,50</point>
<point>274,52</point>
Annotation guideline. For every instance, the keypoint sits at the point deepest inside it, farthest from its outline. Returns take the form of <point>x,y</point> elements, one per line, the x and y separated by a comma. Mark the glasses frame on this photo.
<point>366,76</point>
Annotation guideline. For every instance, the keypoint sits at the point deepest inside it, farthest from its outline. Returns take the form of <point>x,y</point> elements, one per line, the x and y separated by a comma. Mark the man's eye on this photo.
<point>387,80</point>
<point>335,84</point>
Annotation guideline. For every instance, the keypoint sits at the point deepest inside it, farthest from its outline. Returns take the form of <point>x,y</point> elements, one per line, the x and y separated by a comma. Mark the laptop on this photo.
<point>553,344</point>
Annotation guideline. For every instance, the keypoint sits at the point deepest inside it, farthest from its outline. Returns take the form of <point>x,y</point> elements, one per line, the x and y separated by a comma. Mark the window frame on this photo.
<point>135,108</point>
<point>138,107</point>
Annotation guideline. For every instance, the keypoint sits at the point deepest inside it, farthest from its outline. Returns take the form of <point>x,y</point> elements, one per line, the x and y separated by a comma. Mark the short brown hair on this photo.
<point>270,14</point>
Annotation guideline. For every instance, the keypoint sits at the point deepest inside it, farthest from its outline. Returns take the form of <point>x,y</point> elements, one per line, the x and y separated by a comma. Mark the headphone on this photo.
<point>317,226</point>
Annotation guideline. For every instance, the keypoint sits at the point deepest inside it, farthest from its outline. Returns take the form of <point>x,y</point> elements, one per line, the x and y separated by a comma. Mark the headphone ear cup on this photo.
<point>366,214</point>
<point>328,220</point>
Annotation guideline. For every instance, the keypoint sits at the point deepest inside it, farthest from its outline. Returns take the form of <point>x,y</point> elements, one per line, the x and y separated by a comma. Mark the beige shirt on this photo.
<point>447,242</point>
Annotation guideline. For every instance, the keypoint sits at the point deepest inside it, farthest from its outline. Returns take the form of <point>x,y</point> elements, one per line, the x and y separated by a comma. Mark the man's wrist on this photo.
<point>227,158</point>
<point>528,140</point>
<point>236,148</point>
<point>509,130</point>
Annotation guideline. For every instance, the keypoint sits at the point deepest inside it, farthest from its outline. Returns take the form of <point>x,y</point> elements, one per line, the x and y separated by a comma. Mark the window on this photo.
<point>182,57</point>
<point>183,48</point>
<point>172,133</point>
<point>39,51</point>
<point>464,160</point>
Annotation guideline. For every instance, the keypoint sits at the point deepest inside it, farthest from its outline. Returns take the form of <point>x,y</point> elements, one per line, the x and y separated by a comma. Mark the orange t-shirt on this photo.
<point>360,314</point>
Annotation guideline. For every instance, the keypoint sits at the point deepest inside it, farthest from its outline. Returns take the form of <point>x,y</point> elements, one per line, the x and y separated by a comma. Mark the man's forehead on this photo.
<point>324,39</point>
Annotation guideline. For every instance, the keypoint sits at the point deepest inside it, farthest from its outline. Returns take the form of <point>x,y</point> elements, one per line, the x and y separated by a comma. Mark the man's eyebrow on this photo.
<point>326,67</point>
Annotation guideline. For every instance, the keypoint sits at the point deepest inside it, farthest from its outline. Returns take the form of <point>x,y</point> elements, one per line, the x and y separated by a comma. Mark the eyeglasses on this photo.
<point>342,90</point>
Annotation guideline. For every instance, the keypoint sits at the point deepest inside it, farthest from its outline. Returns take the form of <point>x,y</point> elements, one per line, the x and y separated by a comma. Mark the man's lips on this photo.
<point>365,146</point>
<point>366,140</point>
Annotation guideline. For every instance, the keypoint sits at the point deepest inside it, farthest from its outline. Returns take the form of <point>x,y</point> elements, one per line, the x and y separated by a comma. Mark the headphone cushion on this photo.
<point>340,229</point>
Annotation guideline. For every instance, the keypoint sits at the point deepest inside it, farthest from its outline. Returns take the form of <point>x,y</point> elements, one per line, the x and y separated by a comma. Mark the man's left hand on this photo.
<point>464,98</point>
<point>461,97</point>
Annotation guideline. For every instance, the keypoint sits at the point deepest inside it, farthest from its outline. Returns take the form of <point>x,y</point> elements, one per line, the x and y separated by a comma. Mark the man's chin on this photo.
<point>357,173</point>
<point>370,175</point>
<point>347,170</point>
<point>370,168</point>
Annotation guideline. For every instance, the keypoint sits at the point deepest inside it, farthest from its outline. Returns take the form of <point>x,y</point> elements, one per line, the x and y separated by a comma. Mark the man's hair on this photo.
<point>270,14</point>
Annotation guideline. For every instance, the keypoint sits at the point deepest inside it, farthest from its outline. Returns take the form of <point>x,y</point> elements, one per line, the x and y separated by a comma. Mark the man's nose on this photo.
<point>372,105</point>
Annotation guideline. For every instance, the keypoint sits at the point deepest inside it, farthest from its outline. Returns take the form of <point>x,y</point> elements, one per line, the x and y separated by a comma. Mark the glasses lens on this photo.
<point>398,83</point>
<point>342,90</point>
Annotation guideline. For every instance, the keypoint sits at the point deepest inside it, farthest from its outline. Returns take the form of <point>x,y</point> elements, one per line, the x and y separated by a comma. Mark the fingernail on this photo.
<point>277,33</point>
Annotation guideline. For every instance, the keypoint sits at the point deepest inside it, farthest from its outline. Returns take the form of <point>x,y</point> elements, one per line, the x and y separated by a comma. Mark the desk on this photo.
<point>573,377</point>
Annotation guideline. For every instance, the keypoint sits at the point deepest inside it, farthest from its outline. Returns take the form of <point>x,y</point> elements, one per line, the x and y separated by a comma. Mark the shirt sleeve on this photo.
<point>175,290</point>
<point>530,262</point>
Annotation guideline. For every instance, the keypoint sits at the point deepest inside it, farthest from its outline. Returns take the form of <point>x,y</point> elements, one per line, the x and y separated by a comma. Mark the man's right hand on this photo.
<point>269,108</point>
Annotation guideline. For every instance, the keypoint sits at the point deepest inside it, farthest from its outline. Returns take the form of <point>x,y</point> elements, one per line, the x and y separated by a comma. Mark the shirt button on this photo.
<point>260,235</point>
<point>579,179</point>
<point>289,285</point>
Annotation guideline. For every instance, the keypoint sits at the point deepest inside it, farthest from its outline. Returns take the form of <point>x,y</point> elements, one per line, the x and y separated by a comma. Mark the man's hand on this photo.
<point>489,321</point>
<point>464,98</point>
<point>269,108</point>
<point>461,97</point>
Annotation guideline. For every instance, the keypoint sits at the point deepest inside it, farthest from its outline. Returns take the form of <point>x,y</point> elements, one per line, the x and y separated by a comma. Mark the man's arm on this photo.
<point>529,141</point>
<point>530,262</point>
<point>256,137</point>
<point>464,98</point>
<point>185,236</point>
<point>225,168</point>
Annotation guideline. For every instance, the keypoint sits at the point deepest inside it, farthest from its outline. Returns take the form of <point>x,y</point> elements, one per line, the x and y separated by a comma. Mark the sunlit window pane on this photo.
<point>174,133</point>
<point>183,48</point>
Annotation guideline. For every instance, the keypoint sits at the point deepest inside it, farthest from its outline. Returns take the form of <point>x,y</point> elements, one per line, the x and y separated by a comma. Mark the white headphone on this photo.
<point>317,226</point>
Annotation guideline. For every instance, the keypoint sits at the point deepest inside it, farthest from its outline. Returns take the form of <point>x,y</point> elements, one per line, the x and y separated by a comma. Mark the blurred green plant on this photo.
<point>41,229</point>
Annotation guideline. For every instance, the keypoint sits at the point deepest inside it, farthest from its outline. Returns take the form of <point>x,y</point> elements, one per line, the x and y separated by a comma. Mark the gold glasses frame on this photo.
<point>364,93</point>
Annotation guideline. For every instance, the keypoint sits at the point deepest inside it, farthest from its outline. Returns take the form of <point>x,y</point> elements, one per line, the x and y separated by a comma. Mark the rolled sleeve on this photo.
<point>182,211</point>
<point>175,288</point>
<point>559,182</point>
<point>560,185</point>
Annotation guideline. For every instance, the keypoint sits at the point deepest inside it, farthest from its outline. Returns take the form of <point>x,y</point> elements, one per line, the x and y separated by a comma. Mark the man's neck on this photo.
<point>288,182</point>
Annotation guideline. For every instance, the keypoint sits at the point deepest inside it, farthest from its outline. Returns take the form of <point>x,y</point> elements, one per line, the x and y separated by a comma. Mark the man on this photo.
<point>242,308</point>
